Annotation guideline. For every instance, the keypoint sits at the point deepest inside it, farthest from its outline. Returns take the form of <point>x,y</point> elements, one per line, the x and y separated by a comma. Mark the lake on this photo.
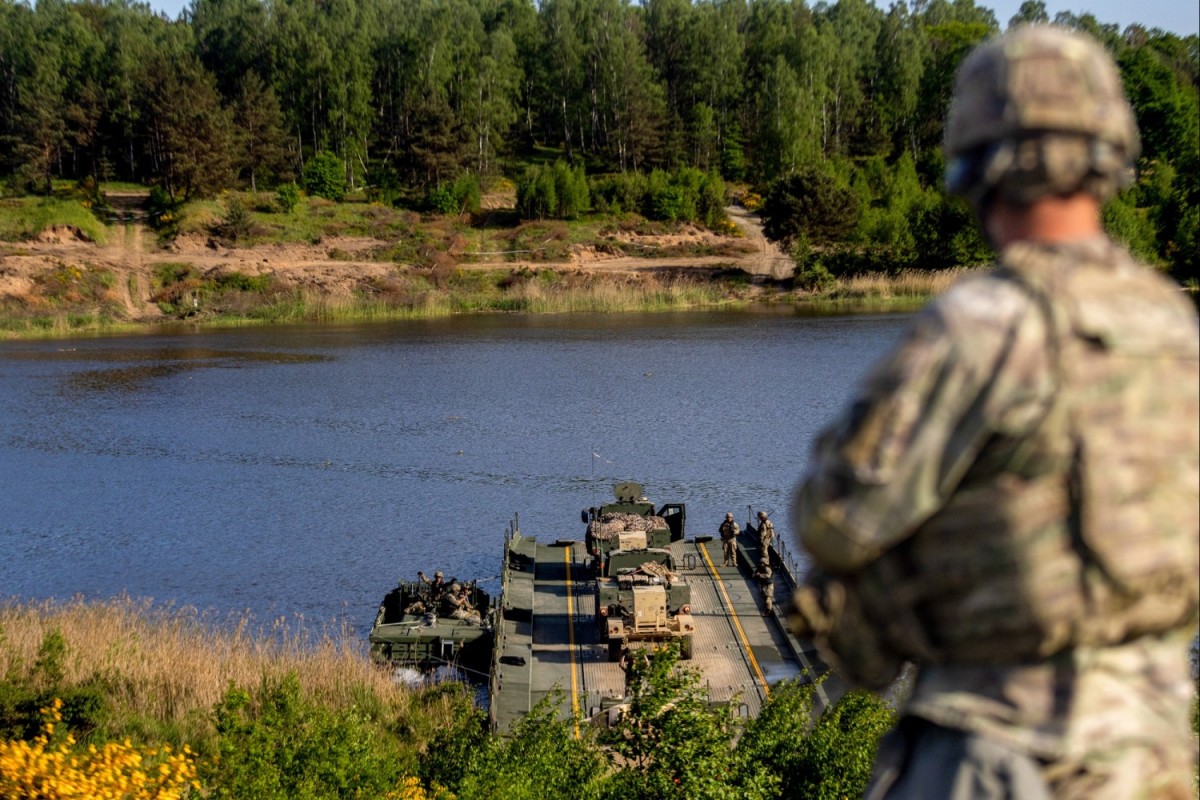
<point>299,472</point>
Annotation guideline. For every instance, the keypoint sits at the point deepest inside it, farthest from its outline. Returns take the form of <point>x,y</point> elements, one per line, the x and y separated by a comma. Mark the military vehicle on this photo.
<point>631,523</point>
<point>550,629</point>
<point>641,597</point>
<point>413,629</point>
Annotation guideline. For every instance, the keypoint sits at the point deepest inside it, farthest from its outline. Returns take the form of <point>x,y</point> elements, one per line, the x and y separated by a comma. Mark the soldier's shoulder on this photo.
<point>984,298</point>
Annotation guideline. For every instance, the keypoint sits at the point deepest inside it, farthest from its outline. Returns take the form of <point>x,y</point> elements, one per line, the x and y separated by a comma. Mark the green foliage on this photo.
<point>570,191</point>
<point>1132,227</point>
<point>180,290</point>
<point>325,176</point>
<point>812,275</point>
<point>826,760</point>
<point>276,743</point>
<point>48,667</point>
<point>737,91</point>
<point>287,195</point>
<point>945,233</point>
<point>675,743</point>
<point>668,200</point>
<point>813,205</point>
<point>619,192</point>
<point>26,218</point>
<point>238,224</point>
<point>557,192</point>
<point>28,688</point>
<point>383,184</point>
<point>461,197</point>
<point>537,197</point>
<point>448,757</point>
<point>539,758</point>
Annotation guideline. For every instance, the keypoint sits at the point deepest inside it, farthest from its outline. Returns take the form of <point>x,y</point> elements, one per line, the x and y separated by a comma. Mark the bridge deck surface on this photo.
<point>738,650</point>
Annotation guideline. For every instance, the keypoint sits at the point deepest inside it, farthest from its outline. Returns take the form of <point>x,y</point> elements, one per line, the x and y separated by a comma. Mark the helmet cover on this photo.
<point>1037,111</point>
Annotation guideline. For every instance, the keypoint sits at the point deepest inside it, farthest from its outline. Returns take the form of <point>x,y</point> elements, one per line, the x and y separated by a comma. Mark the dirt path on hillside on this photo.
<point>132,257</point>
<point>770,260</point>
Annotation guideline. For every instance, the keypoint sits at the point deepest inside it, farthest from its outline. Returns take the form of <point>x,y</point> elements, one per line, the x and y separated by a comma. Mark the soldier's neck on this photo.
<point>1053,220</point>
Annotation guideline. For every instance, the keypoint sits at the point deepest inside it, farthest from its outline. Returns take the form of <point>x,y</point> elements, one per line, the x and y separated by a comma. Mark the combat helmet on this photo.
<point>1039,111</point>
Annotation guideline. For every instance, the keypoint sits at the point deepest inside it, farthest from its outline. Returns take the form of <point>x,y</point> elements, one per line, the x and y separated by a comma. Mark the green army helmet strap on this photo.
<point>1039,111</point>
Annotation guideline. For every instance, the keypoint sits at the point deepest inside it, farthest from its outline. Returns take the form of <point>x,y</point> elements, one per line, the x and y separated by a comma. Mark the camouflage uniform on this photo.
<point>765,577</point>
<point>459,604</point>
<point>766,533</point>
<point>1013,503</point>
<point>729,531</point>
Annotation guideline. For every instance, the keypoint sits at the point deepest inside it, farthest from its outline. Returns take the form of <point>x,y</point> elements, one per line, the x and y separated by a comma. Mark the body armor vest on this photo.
<point>1085,530</point>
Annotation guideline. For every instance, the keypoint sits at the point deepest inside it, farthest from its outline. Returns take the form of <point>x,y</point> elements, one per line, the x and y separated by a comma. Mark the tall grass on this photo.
<point>909,289</point>
<point>164,668</point>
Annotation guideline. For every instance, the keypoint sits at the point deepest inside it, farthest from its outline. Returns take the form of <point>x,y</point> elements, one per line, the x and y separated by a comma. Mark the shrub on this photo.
<point>287,196</point>
<point>675,744</point>
<point>383,184</point>
<point>710,205</point>
<point>53,765</point>
<point>812,204</point>
<point>1132,227</point>
<point>440,200</point>
<point>570,191</point>
<point>461,197</point>
<point>277,743</point>
<point>536,194</point>
<point>824,759</point>
<point>325,176</point>
<point>618,193</point>
<point>238,224</point>
<point>539,758</point>
<point>467,194</point>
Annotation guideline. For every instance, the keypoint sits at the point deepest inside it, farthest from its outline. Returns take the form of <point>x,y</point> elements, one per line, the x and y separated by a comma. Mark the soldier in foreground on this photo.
<point>1012,502</point>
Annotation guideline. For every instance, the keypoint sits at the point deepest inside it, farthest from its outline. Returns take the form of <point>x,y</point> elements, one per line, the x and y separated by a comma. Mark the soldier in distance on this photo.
<point>765,577</point>
<point>434,588</point>
<point>1012,501</point>
<point>729,531</point>
<point>766,533</point>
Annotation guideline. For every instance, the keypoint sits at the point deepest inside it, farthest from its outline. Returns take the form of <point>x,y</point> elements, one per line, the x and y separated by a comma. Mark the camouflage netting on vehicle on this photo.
<point>646,573</point>
<point>610,526</point>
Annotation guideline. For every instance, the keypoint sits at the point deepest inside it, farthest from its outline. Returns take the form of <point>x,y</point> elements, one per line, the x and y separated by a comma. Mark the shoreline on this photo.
<point>608,296</point>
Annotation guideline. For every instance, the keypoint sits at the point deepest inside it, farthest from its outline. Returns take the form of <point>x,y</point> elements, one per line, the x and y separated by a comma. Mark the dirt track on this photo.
<point>131,256</point>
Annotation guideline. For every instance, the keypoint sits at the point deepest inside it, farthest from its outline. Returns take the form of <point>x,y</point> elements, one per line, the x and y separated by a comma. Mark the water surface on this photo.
<point>302,471</point>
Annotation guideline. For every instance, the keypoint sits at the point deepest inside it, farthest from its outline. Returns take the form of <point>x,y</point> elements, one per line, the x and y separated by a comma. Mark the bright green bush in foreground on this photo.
<point>279,739</point>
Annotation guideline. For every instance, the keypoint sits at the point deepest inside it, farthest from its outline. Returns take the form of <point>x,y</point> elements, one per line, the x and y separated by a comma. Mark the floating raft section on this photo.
<point>547,640</point>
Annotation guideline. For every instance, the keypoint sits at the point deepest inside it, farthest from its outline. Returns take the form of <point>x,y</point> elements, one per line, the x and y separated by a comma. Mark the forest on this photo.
<point>835,107</point>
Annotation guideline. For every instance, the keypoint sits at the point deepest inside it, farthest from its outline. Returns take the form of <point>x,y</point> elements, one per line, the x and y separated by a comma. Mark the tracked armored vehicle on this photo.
<point>414,629</point>
<point>631,522</point>
<point>641,597</point>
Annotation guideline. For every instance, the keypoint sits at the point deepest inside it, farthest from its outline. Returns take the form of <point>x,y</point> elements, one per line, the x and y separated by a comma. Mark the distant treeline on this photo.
<point>411,95</point>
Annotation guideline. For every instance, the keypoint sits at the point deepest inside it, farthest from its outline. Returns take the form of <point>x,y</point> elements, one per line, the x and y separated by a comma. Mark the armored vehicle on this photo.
<point>415,629</point>
<point>631,523</point>
<point>641,597</point>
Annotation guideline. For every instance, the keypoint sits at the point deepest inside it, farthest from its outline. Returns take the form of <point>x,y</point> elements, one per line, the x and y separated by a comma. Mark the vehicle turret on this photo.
<point>616,525</point>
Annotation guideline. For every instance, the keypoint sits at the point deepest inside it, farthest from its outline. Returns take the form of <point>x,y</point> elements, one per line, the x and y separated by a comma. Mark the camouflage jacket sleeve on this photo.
<point>975,363</point>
